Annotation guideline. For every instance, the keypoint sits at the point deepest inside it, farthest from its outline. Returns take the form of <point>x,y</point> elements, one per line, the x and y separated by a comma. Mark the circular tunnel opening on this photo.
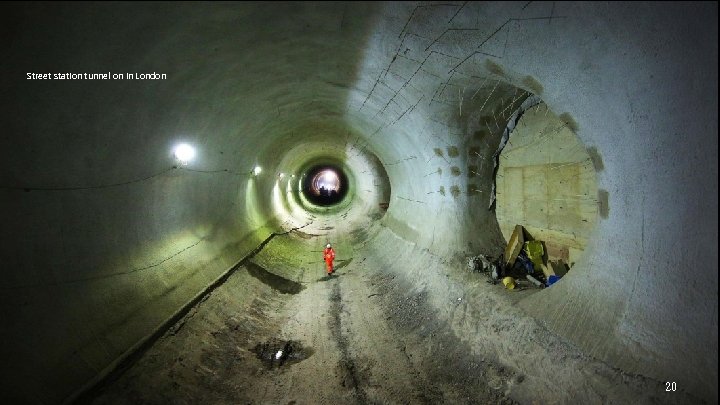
<point>548,200</point>
<point>325,185</point>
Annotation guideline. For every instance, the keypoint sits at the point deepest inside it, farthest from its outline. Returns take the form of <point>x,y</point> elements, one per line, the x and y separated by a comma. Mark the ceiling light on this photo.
<point>184,153</point>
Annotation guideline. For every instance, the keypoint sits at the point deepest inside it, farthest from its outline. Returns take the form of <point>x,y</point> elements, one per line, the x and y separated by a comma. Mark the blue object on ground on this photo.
<point>522,263</point>
<point>552,280</point>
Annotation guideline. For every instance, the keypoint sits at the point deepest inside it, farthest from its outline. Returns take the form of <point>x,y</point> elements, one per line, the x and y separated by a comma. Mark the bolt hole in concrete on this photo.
<point>546,182</point>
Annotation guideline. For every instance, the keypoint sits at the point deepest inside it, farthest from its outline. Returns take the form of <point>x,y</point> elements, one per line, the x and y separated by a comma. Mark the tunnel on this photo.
<point>137,272</point>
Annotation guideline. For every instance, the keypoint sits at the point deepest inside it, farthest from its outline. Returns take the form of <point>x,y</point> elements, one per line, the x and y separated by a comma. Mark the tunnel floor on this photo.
<point>280,331</point>
<point>350,341</point>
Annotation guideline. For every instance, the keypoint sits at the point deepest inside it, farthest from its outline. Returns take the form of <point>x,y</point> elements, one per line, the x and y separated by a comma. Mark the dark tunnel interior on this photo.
<point>166,202</point>
<point>325,185</point>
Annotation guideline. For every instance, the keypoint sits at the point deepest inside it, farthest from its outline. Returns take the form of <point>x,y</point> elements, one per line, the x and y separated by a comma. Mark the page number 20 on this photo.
<point>670,386</point>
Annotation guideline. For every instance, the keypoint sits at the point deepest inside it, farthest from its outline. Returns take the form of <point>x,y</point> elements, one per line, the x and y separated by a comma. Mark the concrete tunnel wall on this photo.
<point>103,239</point>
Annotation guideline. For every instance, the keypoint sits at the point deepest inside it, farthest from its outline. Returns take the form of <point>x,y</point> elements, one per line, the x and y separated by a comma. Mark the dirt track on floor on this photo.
<point>352,341</point>
<point>280,331</point>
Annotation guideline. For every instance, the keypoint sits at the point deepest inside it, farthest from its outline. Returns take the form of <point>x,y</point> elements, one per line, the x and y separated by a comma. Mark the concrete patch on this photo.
<point>494,68</point>
<point>569,121</point>
<point>596,158</point>
<point>533,85</point>
<point>603,204</point>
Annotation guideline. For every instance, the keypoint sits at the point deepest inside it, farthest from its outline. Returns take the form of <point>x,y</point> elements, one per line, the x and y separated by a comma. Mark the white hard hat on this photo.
<point>328,246</point>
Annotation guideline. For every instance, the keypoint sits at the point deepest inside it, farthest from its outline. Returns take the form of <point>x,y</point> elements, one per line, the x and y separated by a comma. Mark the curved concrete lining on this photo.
<point>104,239</point>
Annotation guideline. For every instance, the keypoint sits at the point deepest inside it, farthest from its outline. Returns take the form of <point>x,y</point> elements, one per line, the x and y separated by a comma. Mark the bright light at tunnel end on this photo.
<point>256,171</point>
<point>184,153</point>
<point>326,180</point>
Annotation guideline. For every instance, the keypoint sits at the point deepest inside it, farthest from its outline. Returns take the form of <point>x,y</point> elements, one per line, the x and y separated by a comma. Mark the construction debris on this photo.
<point>484,264</point>
<point>479,263</point>
<point>526,258</point>
<point>523,264</point>
<point>535,252</point>
<point>534,281</point>
<point>514,246</point>
<point>559,268</point>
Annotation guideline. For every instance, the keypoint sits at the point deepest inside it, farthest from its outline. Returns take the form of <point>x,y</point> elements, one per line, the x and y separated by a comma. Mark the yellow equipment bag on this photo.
<point>534,250</point>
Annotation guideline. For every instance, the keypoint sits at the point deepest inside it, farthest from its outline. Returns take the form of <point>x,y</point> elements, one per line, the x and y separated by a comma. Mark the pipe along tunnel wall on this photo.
<point>103,239</point>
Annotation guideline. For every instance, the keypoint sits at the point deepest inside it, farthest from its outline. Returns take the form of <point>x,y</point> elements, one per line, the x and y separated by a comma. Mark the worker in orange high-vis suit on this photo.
<point>329,256</point>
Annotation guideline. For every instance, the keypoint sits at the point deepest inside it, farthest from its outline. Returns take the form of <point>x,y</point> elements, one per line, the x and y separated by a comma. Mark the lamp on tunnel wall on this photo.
<point>257,170</point>
<point>184,153</point>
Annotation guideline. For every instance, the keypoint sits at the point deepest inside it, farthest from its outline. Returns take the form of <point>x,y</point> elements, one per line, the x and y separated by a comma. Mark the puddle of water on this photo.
<point>278,283</point>
<point>277,353</point>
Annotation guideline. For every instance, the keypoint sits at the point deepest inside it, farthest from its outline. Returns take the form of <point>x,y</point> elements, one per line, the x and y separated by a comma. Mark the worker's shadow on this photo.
<point>340,264</point>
